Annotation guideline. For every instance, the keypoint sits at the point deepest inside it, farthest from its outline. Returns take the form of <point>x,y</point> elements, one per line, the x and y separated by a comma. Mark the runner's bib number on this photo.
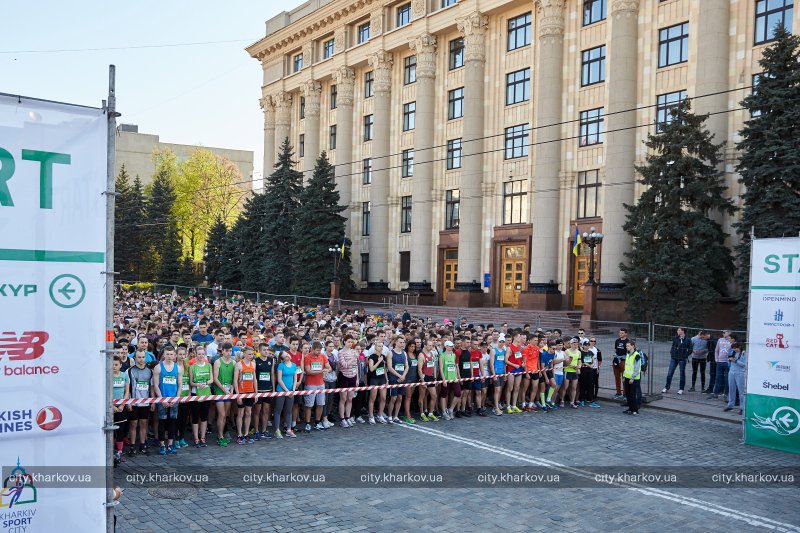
<point>451,368</point>
<point>413,362</point>
<point>475,364</point>
<point>247,376</point>
<point>185,387</point>
<point>143,386</point>
<point>379,371</point>
<point>119,383</point>
<point>265,376</point>
<point>466,366</point>
<point>316,366</point>
<point>500,357</point>
<point>429,364</point>
<point>169,380</point>
<point>399,368</point>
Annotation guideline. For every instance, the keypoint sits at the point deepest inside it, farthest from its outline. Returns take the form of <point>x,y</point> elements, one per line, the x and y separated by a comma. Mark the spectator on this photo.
<point>699,354</point>
<point>678,354</point>
<point>721,353</point>
<point>738,361</point>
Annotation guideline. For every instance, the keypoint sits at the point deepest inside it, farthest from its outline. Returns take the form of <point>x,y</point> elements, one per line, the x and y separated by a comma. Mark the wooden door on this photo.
<point>580,275</point>
<point>449,272</point>
<point>513,269</point>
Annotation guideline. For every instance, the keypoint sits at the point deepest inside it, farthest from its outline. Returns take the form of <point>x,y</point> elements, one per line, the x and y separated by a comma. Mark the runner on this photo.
<point>167,378</point>
<point>632,375</point>
<point>411,377</point>
<point>498,368</point>
<point>200,383</point>
<point>397,369</point>
<point>265,377</point>
<point>514,365</point>
<point>244,382</point>
<point>298,353</point>
<point>376,376</point>
<point>184,409</point>
<point>449,373</point>
<point>464,359</point>
<point>485,373</point>
<point>476,385</point>
<point>558,370</point>
<point>427,375</point>
<point>223,384</point>
<point>121,383</point>
<point>316,364</point>
<point>572,371</point>
<point>286,379</point>
<point>586,379</point>
<point>530,355</point>
<point>347,376</point>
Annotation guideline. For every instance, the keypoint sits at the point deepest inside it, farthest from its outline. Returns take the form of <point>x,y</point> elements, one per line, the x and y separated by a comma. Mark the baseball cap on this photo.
<point>585,342</point>
<point>448,343</point>
<point>501,338</point>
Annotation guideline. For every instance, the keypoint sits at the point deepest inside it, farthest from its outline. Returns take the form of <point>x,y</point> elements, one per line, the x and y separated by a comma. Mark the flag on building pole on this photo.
<point>578,242</point>
<point>343,241</point>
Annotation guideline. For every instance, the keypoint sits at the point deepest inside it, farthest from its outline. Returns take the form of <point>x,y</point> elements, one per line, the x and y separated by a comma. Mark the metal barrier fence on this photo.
<point>654,339</point>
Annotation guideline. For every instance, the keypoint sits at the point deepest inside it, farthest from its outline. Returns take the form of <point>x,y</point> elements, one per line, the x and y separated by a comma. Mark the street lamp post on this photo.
<point>592,239</point>
<point>336,253</point>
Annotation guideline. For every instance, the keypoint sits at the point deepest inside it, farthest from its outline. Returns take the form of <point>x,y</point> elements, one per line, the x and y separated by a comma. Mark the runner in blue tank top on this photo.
<point>167,379</point>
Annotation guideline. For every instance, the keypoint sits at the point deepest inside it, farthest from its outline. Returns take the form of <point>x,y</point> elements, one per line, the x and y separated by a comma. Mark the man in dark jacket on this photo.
<point>679,353</point>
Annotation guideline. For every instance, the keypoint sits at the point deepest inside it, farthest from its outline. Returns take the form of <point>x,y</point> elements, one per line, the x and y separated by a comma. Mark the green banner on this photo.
<point>772,422</point>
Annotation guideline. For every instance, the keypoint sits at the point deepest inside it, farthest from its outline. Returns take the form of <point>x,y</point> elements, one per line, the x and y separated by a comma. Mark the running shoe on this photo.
<point>321,427</point>
<point>162,450</point>
<point>171,449</point>
<point>423,417</point>
<point>509,410</point>
<point>516,409</point>
<point>372,420</point>
<point>351,421</point>
<point>627,411</point>
<point>360,420</point>
<point>497,411</point>
<point>691,389</point>
<point>712,397</point>
<point>308,428</point>
<point>203,443</point>
<point>197,444</point>
<point>250,440</point>
<point>467,413</point>
<point>635,413</point>
<point>266,436</point>
<point>663,391</point>
<point>619,396</point>
<point>132,452</point>
<point>679,392</point>
<point>396,420</point>
<point>327,423</point>
<point>433,418</point>
<point>573,406</point>
<point>118,456</point>
<point>143,450</point>
<point>344,423</point>
<point>594,404</point>
<point>183,443</point>
<point>257,435</point>
<point>381,419</point>
<point>482,412</point>
<point>278,434</point>
<point>390,420</point>
<point>291,434</point>
<point>240,440</point>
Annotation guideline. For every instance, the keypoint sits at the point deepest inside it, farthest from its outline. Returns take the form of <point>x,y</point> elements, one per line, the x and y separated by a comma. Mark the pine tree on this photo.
<point>212,255</point>
<point>319,227</point>
<point>186,275</point>
<point>250,237</point>
<point>124,247</point>
<point>679,264</point>
<point>230,270</point>
<point>169,267</point>
<point>282,189</point>
<point>136,215</point>
<point>769,165</point>
<point>158,219</point>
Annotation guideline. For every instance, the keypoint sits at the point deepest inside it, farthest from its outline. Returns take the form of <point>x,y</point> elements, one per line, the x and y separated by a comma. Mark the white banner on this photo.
<point>52,313</point>
<point>773,369</point>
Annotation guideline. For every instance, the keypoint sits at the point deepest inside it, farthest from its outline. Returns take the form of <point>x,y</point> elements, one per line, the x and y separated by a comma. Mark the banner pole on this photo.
<point>111,115</point>
<point>749,332</point>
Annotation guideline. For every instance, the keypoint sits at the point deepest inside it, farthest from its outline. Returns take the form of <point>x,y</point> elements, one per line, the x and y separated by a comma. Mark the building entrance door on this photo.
<point>513,270</point>
<point>449,272</point>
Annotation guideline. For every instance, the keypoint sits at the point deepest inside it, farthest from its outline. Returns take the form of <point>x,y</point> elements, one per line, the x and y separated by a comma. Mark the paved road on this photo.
<point>562,441</point>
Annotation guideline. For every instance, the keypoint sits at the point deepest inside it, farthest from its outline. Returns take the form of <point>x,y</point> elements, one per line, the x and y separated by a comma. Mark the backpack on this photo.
<point>645,361</point>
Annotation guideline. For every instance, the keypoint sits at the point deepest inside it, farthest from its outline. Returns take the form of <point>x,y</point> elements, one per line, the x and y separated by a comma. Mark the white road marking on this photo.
<point>754,520</point>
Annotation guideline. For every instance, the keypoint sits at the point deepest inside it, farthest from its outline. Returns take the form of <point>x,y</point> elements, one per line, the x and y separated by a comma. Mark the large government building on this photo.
<point>471,137</point>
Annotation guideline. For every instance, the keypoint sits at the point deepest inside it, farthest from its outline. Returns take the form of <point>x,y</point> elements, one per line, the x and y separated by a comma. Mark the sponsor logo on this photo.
<point>778,320</point>
<point>777,341</point>
<point>784,421</point>
<point>27,346</point>
<point>775,386</point>
<point>777,366</point>
<point>22,420</point>
<point>18,489</point>
<point>778,298</point>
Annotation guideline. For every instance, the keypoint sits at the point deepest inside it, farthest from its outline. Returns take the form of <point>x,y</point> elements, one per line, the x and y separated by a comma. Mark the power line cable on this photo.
<point>133,47</point>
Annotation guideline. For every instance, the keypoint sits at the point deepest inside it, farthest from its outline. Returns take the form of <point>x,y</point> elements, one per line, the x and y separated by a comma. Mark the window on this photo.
<point>593,66</point>
<point>593,11</point>
<point>403,15</point>
<point>770,13</point>
<point>409,115</point>
<point>302,107</point>
<point>673,45</point>
<point>366,171</point>
<point>369,78</point>
<point>332,137</point>
<point>405,214</point>
<point>363,33</point>
<point>514,204</point>
<point>453,154</point>
<point>327,49</point>
<point>447,3</point>
<point>407,166</point>
<point>365,208</point>
<point>368,127</point>
<point>588,186</point>
<point>364,267</point>
<point>333,96</point>
<point>455,103</point>
<point>410,70</point>
<point>592,127</point>
<point>665,103</point>
<point>517,141</point>
<point>518,86</point>
<point>297,62</point>
<point>519,31</point>
<point>456,53</point>
<point>405,266</point>
<point>451,205</point>
<point>302,145</point>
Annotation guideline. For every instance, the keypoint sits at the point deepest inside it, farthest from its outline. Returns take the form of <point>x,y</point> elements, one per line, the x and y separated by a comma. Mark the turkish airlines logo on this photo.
<point>48,418</point>
<point>26,347</point>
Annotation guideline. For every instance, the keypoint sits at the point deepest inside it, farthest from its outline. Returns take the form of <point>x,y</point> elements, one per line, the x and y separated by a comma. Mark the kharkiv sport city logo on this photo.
<point>17,490</point>
<point>784,421</point>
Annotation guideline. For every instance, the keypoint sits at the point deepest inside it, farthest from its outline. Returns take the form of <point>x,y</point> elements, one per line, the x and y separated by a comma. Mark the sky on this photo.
<point>205,94</point>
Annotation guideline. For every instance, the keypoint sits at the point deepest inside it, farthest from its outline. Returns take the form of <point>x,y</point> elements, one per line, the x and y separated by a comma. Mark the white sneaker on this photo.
<point>524,405</point>
<point>680,391</point>
<point>664,391</point>
<point>294,424</point>
<point>351,421</point>
<point>344,423</point>
<point>327,423</point>
<point>396,420</point>
<point>360,420</point>
<point>381,419</point>
<point>320,426</point>
<point>269,423</point>
<point>390,420</point>
<point>372,420</point>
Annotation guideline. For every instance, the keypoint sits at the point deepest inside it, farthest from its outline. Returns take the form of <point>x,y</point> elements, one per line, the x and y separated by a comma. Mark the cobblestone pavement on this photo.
<point>563,441</point>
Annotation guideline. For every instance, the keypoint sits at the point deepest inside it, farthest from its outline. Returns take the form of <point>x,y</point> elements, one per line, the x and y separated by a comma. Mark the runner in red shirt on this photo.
<point>530,383</point>
<point>515,367</point>
<point>476,385</point>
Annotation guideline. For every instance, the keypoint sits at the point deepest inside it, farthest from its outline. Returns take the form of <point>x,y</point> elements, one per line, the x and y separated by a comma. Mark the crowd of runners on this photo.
<point>172,347</point>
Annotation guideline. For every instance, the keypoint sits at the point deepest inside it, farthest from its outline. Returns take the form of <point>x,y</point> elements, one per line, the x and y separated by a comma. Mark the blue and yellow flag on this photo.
<point>578,242</point>
<point>343,248</point>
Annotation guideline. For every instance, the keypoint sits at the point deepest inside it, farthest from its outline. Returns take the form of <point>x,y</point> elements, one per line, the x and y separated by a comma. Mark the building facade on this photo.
<point>471,137</point>
<point>135,151</point>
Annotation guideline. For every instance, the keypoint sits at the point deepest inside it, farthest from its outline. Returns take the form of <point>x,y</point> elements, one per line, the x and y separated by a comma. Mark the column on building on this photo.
<point>546,194</point>
<point>283,118</point>
<point>621,75</point>
<point>345,82</point>
<point>713,54</point>
<point>470,233</point>
<point>269,134</point>
<point>381,63</point>
<point>422,186</point>
<point>312,91</point>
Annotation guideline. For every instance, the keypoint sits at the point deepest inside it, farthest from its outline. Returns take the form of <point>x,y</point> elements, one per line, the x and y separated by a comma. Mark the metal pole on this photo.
<point>651,333</point>
<point>111,115</point>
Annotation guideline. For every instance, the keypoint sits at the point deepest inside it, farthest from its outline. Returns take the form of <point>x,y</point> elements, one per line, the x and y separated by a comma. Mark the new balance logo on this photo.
<point>28,346</point>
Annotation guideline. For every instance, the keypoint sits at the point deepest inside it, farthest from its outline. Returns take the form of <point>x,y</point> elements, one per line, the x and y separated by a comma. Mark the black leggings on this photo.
<point>358,403</point>
<point>184,410</point>
<point>586,383</point>
<point>166,426</point>
<point>199,412</point>
<point>702,364</point>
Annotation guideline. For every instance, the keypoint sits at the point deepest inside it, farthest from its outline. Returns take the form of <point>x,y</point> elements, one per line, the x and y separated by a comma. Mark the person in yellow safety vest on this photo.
<point>632,378</point>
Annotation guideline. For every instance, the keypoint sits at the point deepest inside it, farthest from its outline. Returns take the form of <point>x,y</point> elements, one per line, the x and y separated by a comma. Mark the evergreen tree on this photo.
<point>124,247</point>
<point>158,218</point>
<point>212,255</point>
<point>136,214</point>
<point>186,275</point>
<point>769,165</point>
<point>230,270</point>
<point>679,264</point>
<point>319,227</point>
<point>169,267</point>
<point>251,241</point>
<point>281,189</point>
